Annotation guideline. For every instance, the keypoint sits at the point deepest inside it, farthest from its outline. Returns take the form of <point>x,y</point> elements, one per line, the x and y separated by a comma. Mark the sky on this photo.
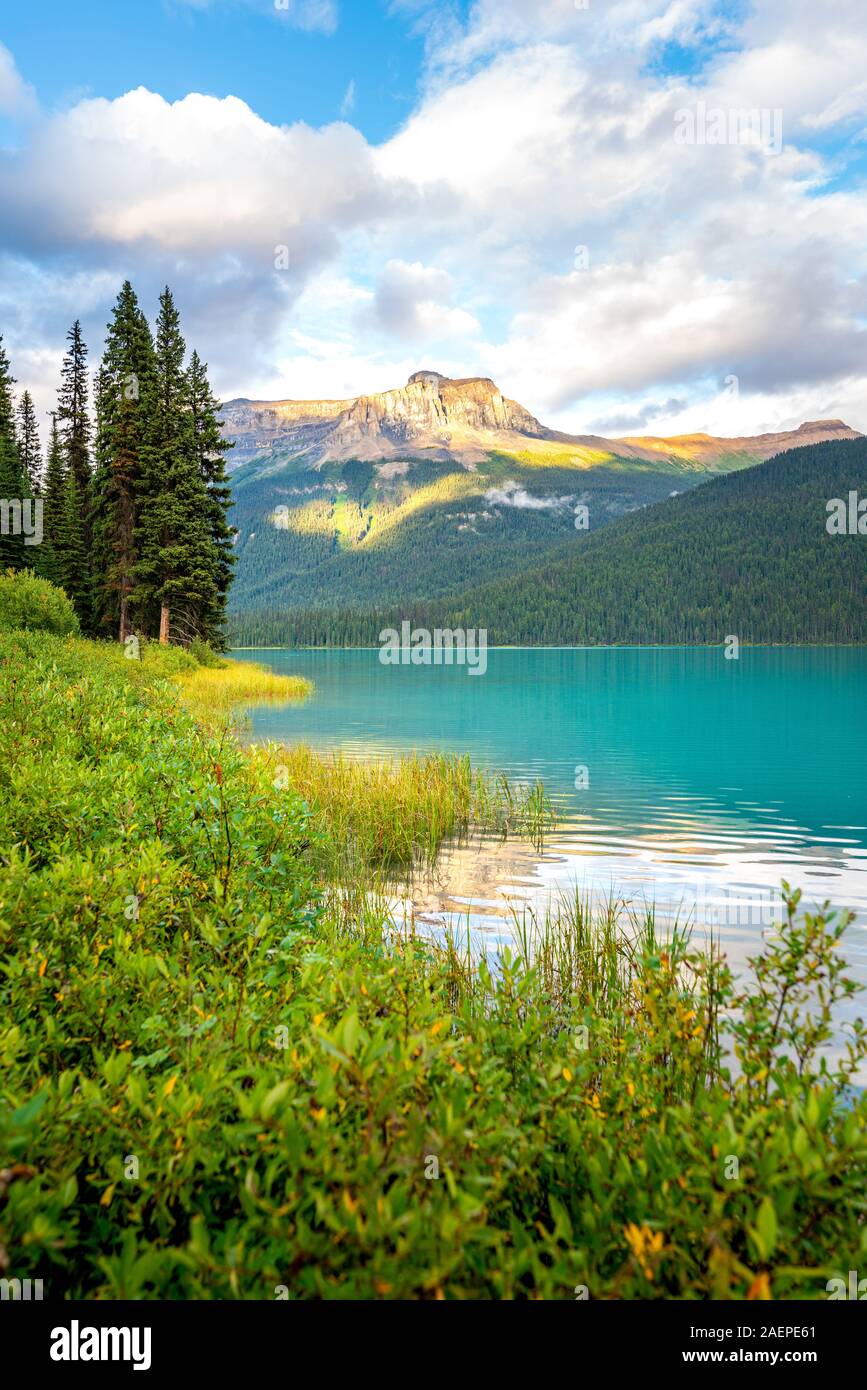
<point>636,216</point>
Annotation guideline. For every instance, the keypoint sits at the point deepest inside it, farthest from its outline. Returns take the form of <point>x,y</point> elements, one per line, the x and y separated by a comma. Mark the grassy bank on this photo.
<point>221,1081</point>
<point>389,813</point>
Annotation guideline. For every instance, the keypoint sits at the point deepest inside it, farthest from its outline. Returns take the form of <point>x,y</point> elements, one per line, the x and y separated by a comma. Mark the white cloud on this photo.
<point>202,175</point>
<point>413,302</point>
<point>540,128</point>
<point>598,27</point>
<point>16,95</point>
<point>512,495</point>
<point>347,106</point>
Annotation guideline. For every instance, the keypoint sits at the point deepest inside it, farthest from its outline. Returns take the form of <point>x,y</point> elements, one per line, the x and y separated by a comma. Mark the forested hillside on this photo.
<point>357,533</point>
<point>746,554</point>
<point>437,488</point>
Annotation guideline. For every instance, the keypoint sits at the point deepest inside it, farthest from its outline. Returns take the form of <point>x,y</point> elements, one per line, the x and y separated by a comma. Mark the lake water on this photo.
<point>681,778</point>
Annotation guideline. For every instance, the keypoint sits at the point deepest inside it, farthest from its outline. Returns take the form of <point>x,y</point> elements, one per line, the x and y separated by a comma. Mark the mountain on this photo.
<point>441,418</point>
<point>438,486</point>
<point>747,554</point>
<point>462,421</point>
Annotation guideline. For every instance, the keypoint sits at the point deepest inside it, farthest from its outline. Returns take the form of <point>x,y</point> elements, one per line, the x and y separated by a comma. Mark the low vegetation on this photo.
<point>33,604</point>
<point>387,814</point>
<point>221,1079</point>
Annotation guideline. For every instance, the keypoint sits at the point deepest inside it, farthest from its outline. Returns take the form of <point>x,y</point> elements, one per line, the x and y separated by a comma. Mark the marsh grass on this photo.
<point>393,814</point>
<point>216,692</point>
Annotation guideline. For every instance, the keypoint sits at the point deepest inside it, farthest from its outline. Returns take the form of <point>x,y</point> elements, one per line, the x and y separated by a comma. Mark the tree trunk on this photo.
<point>124,619</point>
<point>164,625</point>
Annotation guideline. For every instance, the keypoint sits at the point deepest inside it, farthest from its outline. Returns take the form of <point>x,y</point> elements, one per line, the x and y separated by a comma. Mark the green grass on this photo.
<point>390,813</point>
<point>226,1074</point>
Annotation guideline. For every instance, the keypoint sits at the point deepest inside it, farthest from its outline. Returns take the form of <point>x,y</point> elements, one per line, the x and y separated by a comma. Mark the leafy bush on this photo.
<point>217,1086</point>
<point>35,605</point>
<point>205,654</point>
<point>166,660</point>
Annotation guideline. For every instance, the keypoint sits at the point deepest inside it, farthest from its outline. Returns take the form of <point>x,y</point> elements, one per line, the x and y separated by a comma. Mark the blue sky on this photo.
<point>285,73</point>
<point>343,191</point>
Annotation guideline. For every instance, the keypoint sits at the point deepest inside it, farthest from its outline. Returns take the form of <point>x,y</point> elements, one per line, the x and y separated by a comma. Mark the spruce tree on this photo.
<point>53,558</point>
<point>13,487</point>
<point>100,549</point>
<point>29,450</point>
<point>13,490</point>
<point>176,572</point>
<point>125,403</point>
<point>75,435</point>
<point>76,567</point>
<point>210,448</point>
<point>72,413</point>
<point>7,404</point>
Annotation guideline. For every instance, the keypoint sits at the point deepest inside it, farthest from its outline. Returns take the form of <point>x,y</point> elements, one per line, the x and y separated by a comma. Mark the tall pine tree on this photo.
<point>72,413</point>
<point>53,558</point>
<point>135,512</point>
<point>13,490</point>
<point>7,403</point>
<point>75,434</point>
<point>177,558</point>
<point>29,449</point>
<point>13,486</point>
<point>125,400</point>
<point>210,448</point>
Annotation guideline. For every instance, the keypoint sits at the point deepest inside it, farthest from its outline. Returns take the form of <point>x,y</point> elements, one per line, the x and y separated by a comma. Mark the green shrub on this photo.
<point>205,654</point>
<point>215,1085</point>
<point>168,660</point>
<point>35,605</point>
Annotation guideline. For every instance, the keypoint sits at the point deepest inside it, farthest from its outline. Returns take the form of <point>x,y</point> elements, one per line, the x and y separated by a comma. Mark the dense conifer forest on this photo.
<point>747,554</point>
<point>132,491</point>
<point>345,536</point>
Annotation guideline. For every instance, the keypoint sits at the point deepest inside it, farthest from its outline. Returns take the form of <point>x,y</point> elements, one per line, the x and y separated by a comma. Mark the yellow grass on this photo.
<point>238,684</point>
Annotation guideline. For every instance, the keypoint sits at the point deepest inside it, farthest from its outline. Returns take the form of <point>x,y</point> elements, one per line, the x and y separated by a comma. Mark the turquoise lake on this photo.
<point>681,778</point>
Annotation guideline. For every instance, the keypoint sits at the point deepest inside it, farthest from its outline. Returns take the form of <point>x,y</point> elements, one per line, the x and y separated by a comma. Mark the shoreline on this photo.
<point>613,647</point>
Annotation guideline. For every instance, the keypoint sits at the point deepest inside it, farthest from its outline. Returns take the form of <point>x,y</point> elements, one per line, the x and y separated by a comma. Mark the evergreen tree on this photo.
<point>13,487</point>
<point>53,559</point>
<point>7,406</point>
<point>75,435</point>
<point>72,413</point>
<point>76,567</point>
<point>135,510</point>
<point>177,565</point>
<point>210,448</point>
<point>29,450</point>
<point>13,490</point>
<point>125,400</point>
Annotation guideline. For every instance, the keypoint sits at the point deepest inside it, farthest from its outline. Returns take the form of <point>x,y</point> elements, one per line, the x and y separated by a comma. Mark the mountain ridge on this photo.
<point>463,420</point>
<point>440,485</point>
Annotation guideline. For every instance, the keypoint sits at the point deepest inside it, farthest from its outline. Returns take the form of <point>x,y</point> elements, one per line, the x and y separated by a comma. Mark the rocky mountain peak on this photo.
<point>461,419</point>
<point>426,378</point>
